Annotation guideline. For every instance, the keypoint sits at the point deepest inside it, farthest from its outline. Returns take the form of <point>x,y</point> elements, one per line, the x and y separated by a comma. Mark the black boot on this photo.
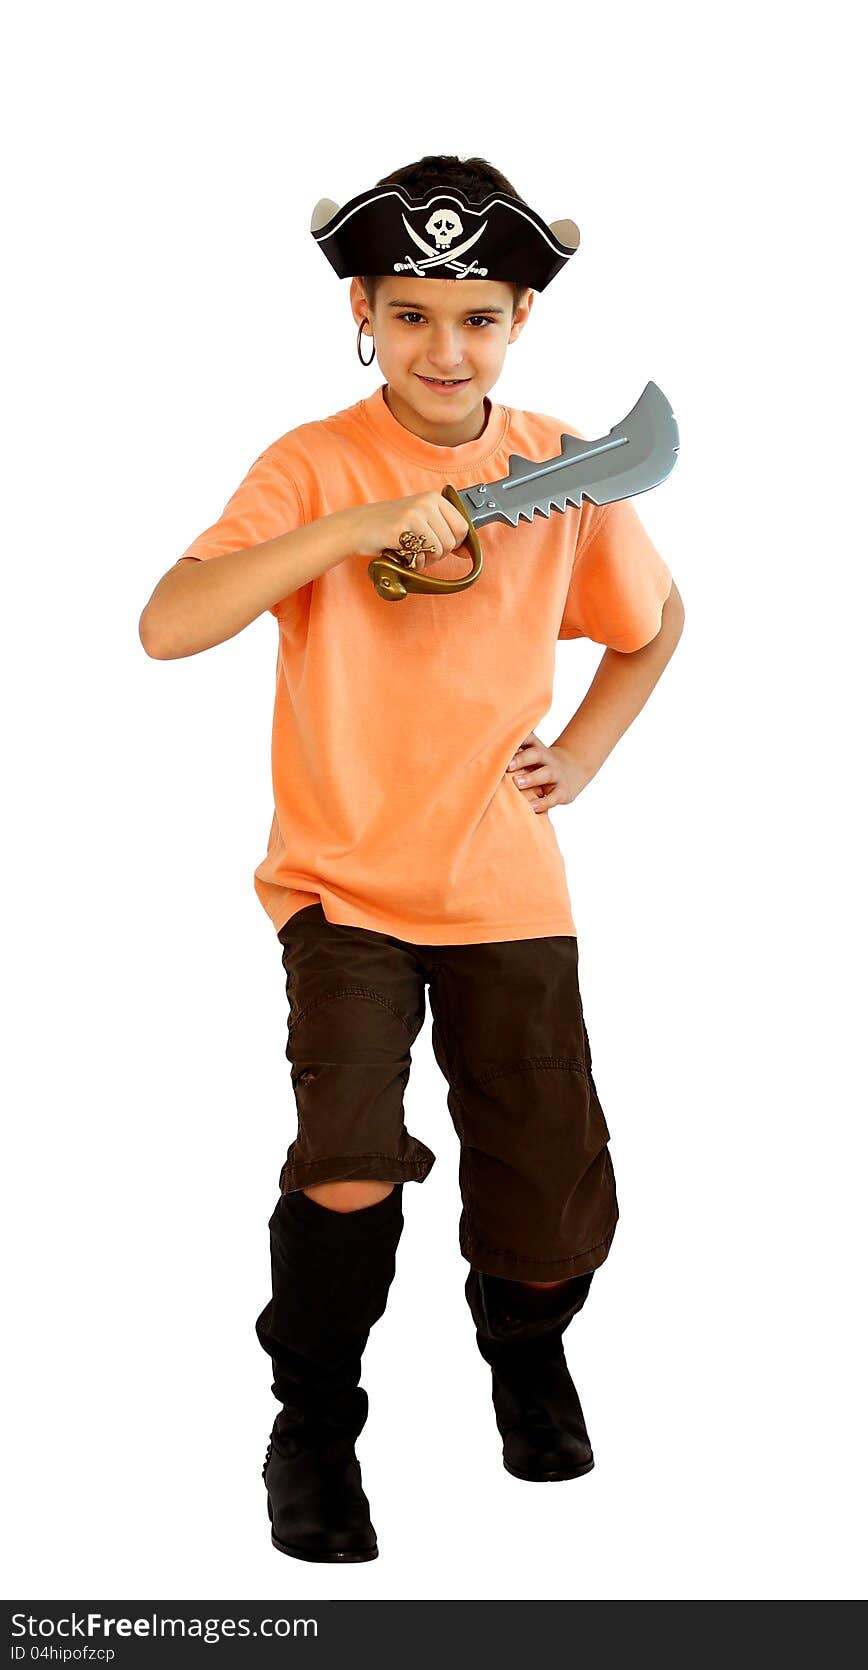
<point>331,1273</point>
<point>519,1331</point>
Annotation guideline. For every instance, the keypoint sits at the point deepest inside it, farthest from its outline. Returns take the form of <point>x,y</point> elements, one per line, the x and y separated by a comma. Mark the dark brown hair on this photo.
<point>472,175</point>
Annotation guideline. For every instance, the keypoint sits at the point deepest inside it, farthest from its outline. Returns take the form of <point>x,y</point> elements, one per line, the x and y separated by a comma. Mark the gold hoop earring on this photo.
<point>359,345</point>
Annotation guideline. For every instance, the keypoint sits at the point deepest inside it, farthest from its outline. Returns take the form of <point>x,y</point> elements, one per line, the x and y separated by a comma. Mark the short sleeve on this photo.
<point>619,581</point>
<point>267,503</point>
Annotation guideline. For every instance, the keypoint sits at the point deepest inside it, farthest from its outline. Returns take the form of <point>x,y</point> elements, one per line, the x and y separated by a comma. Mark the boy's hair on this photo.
<point>472,175</point>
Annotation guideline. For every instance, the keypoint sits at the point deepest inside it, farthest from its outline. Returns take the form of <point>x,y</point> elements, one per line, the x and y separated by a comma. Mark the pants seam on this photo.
<point>524,1258</point>
<point>368,992</point>
<point>453,1082</point>
<point>306,1170</point>
<point>568,1063</point>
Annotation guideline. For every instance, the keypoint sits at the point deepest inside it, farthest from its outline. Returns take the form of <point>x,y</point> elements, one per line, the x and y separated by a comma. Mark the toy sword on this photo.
<point>635,455</point>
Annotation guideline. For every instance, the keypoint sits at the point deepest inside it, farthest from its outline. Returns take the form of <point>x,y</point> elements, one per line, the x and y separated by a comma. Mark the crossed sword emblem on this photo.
<point>440,258</point>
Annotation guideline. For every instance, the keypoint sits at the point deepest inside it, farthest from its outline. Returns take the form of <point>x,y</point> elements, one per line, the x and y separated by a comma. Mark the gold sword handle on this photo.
<point>393,578</point>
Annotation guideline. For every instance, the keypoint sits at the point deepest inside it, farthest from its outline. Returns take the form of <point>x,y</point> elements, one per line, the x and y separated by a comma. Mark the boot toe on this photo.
<point>316,1503</point>
<point>327,1544</point>
<point>546,1455</point>
<point>328,1534</point>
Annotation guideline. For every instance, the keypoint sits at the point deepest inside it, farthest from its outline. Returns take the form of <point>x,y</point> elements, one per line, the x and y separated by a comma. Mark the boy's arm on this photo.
<point>619,690</point>
<point>198,604</point>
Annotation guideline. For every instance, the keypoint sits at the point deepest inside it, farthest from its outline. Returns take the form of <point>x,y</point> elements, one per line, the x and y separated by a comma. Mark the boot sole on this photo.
<point>551,1478</point>
<point>340,1556</point>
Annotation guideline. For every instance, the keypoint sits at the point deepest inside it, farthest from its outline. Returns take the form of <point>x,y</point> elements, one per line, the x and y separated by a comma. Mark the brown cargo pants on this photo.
<point>508,1032</point>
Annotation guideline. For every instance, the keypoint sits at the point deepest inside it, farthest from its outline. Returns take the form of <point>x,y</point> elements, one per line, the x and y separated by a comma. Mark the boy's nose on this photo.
<point>445,352</point>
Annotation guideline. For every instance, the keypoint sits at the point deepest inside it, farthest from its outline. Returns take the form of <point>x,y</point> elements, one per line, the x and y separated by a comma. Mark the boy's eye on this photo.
<point>477,316</point>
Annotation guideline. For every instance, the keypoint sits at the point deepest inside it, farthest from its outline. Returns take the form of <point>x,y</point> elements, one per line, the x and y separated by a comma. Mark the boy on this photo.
<point>411,842</point>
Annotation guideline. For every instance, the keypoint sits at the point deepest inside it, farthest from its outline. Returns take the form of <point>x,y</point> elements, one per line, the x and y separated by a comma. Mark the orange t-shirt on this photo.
<point>394,722</point>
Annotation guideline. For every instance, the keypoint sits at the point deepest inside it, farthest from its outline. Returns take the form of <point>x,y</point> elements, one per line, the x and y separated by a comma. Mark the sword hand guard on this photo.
<point>392,577</point>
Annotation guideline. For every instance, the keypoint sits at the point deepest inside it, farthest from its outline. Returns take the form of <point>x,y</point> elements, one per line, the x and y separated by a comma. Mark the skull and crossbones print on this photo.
<point>444,226</point>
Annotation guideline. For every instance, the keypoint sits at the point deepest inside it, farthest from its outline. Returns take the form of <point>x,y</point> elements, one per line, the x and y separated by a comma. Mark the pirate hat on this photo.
<point>441,235</point>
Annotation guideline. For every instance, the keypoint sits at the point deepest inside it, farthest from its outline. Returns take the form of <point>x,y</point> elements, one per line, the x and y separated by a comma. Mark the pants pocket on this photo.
<point>350,1060</point>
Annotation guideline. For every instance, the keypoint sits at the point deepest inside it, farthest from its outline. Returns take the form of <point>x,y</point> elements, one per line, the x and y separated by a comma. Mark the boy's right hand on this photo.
<point>378,527</point>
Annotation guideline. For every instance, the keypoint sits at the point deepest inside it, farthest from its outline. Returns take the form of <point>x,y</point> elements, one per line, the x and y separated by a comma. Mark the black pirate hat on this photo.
<point>441,235</point>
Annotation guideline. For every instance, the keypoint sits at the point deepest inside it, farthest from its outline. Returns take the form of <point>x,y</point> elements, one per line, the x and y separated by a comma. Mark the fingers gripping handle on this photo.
<point>392,577</point>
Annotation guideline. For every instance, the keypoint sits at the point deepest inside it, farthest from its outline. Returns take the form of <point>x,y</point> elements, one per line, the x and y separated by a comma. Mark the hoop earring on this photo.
<point>359,345</point>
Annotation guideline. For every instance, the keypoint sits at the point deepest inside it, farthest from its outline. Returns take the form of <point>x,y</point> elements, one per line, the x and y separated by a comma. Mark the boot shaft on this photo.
<point>519,1332</point>
<point>331,1272</point>
<point>509,1313</point>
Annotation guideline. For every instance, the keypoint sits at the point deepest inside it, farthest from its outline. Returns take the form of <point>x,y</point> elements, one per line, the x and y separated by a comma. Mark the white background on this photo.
<point>167,316</point>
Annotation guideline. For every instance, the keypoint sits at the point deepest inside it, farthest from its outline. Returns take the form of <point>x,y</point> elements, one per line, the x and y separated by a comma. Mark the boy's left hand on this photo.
<point>546,776</point>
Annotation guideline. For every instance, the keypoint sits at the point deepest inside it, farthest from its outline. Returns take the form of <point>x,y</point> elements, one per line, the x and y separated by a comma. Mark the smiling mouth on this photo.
<point>441,381</point>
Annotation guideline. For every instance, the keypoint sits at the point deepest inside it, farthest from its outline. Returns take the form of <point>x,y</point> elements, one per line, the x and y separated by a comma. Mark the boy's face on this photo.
<point>452,329</point>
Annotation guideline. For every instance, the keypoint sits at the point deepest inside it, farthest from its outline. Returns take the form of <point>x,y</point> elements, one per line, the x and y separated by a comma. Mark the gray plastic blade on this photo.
<point>636,455</point>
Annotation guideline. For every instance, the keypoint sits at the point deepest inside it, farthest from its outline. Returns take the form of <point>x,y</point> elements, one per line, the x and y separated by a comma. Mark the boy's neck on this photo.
<point>439,434</point>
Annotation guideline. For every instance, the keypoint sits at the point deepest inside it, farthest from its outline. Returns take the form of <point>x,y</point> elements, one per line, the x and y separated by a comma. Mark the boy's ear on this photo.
<point>324,210</point>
